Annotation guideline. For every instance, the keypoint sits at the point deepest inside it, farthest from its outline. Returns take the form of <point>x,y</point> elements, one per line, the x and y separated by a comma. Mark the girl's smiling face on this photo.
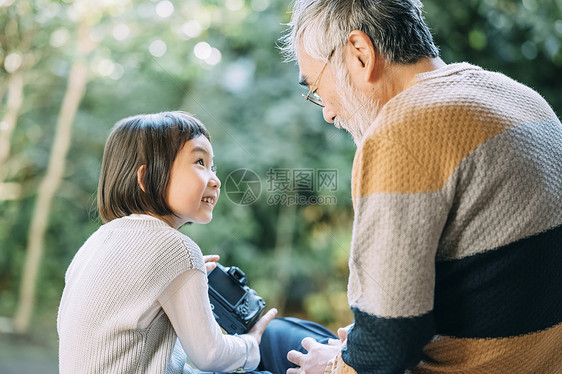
<point>194,188</point>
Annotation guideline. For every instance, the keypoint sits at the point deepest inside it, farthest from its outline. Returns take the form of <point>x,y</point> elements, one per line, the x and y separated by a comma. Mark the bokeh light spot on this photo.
<point>260,5</point>
<point>529,50</point>
<point>558,26</point>
<point>164,9</point>
<point>192,28</point>
<point>157,48</point>
<point>234,5</point>
<point>214,58</point>
<point>59,38</point>
<point>477,39</point>
<point>121,31</point>
<point>12,62</point>
<point>202,50</point>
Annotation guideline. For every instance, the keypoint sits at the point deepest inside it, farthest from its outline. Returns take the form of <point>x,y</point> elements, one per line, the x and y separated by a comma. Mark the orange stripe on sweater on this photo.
<point>411,155</point>
<point>538,352</point>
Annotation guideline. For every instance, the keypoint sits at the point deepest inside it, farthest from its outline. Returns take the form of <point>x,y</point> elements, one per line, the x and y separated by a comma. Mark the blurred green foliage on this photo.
<point>294,255</point>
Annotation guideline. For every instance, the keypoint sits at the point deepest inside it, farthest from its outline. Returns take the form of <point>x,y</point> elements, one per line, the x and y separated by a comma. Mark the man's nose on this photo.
<point>329,116</point>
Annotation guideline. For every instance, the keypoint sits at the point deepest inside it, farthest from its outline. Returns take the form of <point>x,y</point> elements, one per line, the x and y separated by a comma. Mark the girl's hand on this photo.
<point>210,262</point>
<point>259,327</point>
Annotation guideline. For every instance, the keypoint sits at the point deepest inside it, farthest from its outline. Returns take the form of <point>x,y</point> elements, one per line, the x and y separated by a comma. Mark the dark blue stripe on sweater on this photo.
<point>513,290</point>
<point>386,345</point>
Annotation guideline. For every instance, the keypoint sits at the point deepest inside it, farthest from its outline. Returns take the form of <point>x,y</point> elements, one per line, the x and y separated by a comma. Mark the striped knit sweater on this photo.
<point>456,259</point>
<point>111,283</point>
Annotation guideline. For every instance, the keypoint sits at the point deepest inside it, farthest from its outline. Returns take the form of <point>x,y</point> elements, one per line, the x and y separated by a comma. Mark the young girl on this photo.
<point>137,282</point>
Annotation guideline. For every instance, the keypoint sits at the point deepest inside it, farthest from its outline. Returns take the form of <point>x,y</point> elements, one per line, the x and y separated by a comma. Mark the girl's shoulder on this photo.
<point>156,239</point>
<point>189,247</point>
<point>189,244</point>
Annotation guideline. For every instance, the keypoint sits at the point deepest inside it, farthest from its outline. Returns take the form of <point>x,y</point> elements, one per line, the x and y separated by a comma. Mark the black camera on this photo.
<point>236,306</point>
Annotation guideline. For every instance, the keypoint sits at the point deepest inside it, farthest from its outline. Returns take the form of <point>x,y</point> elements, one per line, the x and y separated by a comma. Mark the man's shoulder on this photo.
<point>456,99</point>
<point>461,84</point>
<point>434,125</point>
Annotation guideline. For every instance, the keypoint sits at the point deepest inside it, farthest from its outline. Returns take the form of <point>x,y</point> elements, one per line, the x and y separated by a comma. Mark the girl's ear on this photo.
<point>140,177</point>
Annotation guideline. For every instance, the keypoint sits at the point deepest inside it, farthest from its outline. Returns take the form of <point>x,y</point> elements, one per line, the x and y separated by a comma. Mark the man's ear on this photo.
<point>141,172</point>
<point>361,58</point>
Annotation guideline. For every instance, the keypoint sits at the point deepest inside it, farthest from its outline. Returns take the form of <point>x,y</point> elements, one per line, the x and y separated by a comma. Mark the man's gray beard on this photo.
<point>362,109</point>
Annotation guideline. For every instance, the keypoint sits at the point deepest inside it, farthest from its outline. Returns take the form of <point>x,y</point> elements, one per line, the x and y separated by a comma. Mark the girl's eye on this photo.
<point>202,163</point>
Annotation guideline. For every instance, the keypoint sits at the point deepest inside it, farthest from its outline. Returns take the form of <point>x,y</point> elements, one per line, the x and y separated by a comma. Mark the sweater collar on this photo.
<point>446,70</point>
<point>139,221</point>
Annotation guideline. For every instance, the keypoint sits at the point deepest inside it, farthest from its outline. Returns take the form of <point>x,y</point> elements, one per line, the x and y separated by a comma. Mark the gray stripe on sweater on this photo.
<point>511,188</point>
<point>507,189</point>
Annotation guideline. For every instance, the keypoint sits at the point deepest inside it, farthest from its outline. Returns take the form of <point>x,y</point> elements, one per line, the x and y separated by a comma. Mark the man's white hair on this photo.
<point>395,27</point>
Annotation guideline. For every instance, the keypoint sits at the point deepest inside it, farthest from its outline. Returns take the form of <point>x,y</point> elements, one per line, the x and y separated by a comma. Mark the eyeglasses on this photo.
<point>312,96</point>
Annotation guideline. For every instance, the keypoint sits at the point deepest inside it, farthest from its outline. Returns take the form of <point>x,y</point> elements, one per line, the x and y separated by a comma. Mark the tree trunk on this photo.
<point>14,87</point>
<point>8,123</point>
<point>75,91</point>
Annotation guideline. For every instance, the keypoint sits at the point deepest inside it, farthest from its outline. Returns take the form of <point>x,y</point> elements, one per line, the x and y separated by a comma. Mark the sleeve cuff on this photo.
<point>252,352</point>
<point>337,366</point>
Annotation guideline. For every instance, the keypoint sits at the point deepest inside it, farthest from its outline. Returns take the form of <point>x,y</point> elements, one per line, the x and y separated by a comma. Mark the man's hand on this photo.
<point>318,356</point>
<point>342,332</point>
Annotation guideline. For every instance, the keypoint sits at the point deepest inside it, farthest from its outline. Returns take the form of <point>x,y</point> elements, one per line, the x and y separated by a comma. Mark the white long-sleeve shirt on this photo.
<point>130,289</point>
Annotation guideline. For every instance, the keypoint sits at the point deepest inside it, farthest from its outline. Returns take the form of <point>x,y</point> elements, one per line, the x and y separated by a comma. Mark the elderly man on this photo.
<point>456,253</point>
